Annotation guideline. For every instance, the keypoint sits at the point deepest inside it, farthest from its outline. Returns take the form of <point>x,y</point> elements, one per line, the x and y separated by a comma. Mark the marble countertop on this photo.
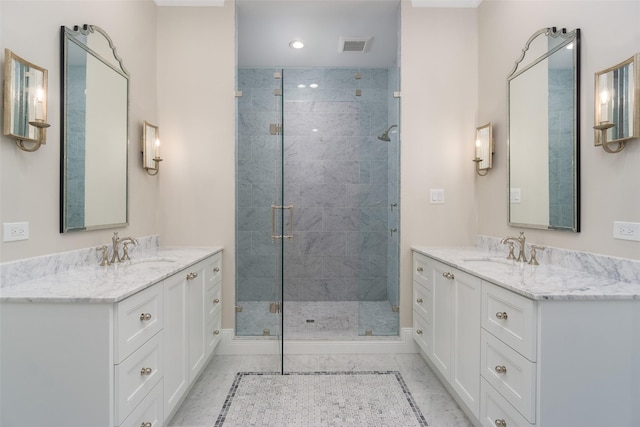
<point>542,282</point>
<point>110,284</point>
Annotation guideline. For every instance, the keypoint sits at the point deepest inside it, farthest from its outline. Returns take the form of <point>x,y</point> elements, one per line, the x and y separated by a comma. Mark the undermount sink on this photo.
<point>147,263</point>
<point>492,260</point>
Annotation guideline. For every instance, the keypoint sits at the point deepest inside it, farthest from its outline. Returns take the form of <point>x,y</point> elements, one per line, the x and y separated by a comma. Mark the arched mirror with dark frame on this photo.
<point>94,132</point>
<point>543,131</point>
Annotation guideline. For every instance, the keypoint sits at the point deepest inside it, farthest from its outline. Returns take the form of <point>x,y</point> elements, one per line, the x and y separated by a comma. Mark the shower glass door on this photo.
<point>317,203</point>
<point>261,215</point>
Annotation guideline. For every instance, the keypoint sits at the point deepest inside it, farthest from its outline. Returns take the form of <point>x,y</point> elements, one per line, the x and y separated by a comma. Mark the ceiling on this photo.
<point>266,27</point>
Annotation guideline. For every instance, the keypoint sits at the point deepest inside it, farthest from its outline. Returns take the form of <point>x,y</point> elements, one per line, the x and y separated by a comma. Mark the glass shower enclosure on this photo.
<point>317,215</point>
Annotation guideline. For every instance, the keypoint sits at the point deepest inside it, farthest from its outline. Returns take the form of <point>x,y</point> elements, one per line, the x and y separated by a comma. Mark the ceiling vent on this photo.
<point>354,44</point>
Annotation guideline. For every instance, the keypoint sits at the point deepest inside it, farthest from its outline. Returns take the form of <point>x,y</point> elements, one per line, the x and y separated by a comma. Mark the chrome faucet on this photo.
<point>115,257</point>
<point>521,246</point>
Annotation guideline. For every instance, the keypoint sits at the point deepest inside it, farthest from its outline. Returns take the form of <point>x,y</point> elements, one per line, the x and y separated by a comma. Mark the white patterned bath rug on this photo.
<point>320,399</point>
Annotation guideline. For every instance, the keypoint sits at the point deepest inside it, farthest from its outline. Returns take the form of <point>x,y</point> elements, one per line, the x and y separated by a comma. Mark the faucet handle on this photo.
<point>534,249</point>
<point>105,255</point>
<point>125,252</point>
<point>511,249</point>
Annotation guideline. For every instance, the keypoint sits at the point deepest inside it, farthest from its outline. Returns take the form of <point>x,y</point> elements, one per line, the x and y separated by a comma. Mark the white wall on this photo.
<point>609,188</point>
<point>196,96</point>
<point>438,126</point>
<point>29,182</point>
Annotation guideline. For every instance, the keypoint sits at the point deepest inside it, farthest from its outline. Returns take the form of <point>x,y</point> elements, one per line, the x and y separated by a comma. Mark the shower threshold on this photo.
<point>319,319</point>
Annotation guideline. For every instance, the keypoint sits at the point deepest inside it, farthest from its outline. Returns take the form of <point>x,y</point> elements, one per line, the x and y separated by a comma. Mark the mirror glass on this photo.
<point>617,101</point>
<point>95,87</point>
<point>25,99</point>
<point>150,146</point>
<point>543,132</point>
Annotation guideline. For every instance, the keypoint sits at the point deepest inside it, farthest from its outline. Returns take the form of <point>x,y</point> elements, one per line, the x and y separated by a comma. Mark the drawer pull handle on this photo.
<point>216,301</point>
<point>500,423</point>
<point>145,316</point>
<point>192,276</point>
<point>216,269</point>
<point>419,300</point>
<point>216,332</point>
<point>419,332</point>
<point>146,425</point>
<point>146,371</point>
<point>502,315</point>
<point>420,269</point>
<point>448,275</point>
<point>501,369</point>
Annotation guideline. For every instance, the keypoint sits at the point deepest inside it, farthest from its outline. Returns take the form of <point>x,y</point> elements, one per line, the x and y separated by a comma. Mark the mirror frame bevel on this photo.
<point>9,101</point>
<point>575,38</point>
<point>635,60</point>
<point>67,34</point>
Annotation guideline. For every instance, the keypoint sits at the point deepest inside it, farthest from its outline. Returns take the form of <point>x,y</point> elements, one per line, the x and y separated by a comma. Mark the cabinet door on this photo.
<point>176,376</point>
<point>196,279</point>
<point>442,319</point>
<point>465,362</point>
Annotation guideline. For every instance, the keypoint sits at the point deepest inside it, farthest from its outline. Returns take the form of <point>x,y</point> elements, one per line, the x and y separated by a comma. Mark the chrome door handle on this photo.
<point>273,223</point>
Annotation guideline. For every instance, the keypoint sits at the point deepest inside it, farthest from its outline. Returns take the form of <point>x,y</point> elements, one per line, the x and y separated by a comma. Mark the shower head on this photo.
<point>385,134</point>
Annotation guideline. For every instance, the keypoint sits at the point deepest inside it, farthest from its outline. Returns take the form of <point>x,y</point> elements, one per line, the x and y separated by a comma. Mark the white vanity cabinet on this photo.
<point>190,309</point>
<point>545,362</point>
<point>453,329</point>
<point>108,364</point>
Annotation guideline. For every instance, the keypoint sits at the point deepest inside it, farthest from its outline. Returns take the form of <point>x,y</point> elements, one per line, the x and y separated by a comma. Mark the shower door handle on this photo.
<point>273,223</point>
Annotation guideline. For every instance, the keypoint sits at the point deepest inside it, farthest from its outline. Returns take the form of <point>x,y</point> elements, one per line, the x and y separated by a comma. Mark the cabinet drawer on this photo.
<point>138,318</point>
<point>214,334</point>
<point>423,301</point>
<point>137,375</point>
<point>496,411</point>
<point>511,318</point>
<point>149,412</point>
<point>422,332</point>
<point>422,272</point>
<point>213,301</point>
<point>215,269</point>
<point>510,373</point>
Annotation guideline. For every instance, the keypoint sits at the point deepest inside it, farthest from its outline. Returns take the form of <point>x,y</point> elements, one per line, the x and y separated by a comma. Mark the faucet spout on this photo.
<point>520,240</point>
<point>115,240</point>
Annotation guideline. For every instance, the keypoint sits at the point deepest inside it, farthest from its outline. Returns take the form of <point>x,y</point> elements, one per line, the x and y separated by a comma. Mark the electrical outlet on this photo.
<point>15,231</point>
<point>626,230</point>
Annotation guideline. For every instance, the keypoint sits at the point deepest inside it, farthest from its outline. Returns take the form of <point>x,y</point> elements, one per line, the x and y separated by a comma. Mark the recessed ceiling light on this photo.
<point>296,44</point>
<point>313,85</point>
<point>301,86</point>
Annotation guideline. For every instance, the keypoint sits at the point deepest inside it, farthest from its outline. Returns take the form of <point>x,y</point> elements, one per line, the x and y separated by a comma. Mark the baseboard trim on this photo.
<point>230,344</point>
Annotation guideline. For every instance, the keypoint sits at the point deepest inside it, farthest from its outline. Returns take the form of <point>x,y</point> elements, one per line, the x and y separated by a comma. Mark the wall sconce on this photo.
<point>484,149</point>
<point>617,105</point>
<point>25,102</point>
<point>151,148</point>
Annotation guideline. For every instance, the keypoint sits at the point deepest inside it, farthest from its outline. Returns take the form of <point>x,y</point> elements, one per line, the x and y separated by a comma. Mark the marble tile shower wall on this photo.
<point>561,209</point>
<point>336,176</point>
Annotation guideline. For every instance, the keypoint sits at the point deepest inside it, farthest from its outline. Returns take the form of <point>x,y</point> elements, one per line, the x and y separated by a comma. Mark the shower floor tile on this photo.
<point>319,319</point>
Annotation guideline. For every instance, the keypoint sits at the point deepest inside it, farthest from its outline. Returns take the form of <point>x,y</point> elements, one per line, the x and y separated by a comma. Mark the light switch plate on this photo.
<point>436,196</point>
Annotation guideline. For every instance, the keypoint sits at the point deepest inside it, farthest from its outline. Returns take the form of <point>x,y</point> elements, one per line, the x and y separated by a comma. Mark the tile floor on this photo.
<point>204,402</point>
